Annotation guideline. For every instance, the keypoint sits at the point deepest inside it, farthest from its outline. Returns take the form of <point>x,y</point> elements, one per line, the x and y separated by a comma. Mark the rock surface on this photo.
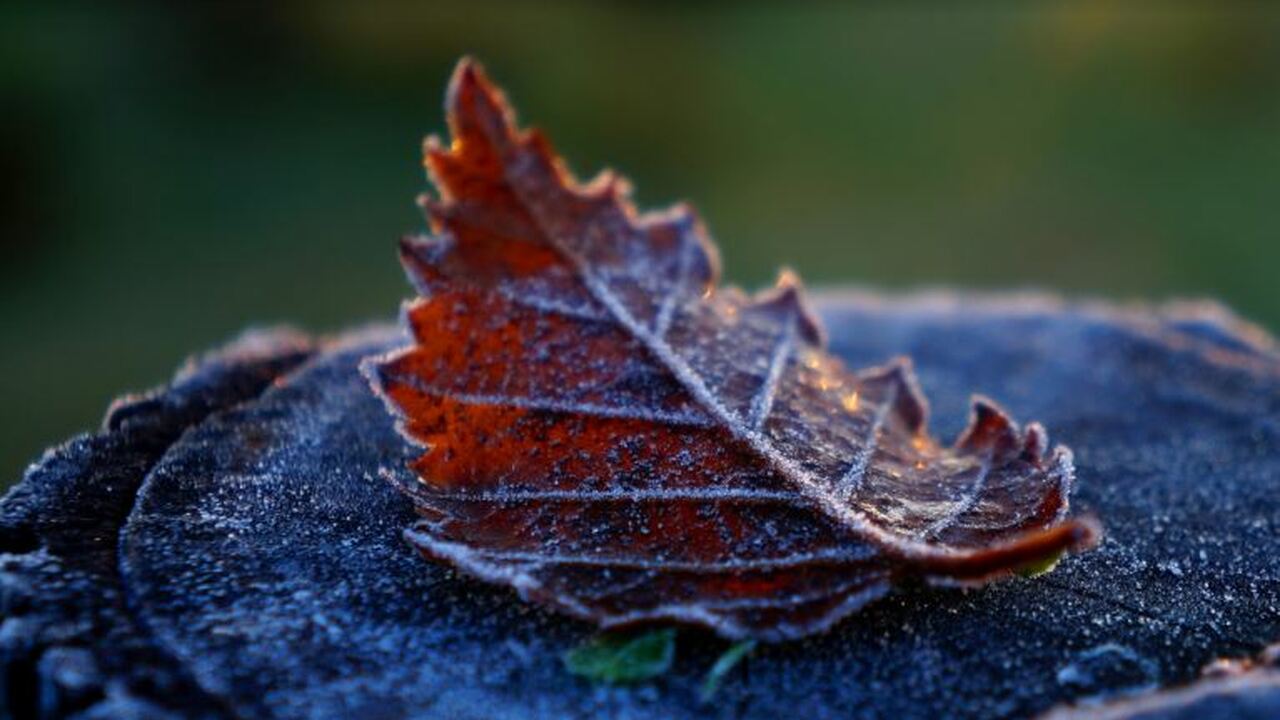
<point>228,547</point>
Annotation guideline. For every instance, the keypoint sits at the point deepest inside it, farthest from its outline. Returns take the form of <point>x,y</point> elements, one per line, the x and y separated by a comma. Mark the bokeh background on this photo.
<point>173,173</point>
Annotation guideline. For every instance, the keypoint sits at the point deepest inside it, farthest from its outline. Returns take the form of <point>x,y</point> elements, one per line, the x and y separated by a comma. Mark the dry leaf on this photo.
<point>613,434</point>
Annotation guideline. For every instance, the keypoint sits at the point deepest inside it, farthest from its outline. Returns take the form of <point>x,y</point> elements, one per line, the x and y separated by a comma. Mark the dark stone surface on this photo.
<point>1246,694</point>
<point>262,563</point>
<point>67,642</point>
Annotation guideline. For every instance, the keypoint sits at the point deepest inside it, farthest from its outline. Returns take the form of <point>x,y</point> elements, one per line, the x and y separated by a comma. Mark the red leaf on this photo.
<point>613,434</point>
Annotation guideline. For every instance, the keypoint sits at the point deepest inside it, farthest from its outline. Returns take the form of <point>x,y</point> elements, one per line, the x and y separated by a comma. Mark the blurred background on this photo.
<point>175,173</point>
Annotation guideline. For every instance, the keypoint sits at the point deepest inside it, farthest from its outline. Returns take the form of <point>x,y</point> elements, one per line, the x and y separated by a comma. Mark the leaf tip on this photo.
<point>419,255</point>
<point>1077,535</point>
<point>1085,532</point>
<point>475,106</point>
<point>786,300</point>
<point>1035,441</point>
<point>990,429</point>
<point>896,380</point>
<point>468,77</point>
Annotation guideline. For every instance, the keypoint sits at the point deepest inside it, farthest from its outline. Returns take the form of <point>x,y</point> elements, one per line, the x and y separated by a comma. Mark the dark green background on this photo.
<point>174,174</point>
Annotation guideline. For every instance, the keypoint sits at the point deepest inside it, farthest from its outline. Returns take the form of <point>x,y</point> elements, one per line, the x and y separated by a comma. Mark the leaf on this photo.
<point>614,658</point>
<point>1043,566</point>
<point>727,661</point>
<point>612,433</point>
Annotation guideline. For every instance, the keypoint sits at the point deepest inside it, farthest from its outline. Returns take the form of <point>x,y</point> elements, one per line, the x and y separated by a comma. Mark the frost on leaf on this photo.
<point>612,433</point>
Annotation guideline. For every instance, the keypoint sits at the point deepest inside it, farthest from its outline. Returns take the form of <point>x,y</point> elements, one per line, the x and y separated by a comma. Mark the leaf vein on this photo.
<point>762,403</point>
<point>856,473</point>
